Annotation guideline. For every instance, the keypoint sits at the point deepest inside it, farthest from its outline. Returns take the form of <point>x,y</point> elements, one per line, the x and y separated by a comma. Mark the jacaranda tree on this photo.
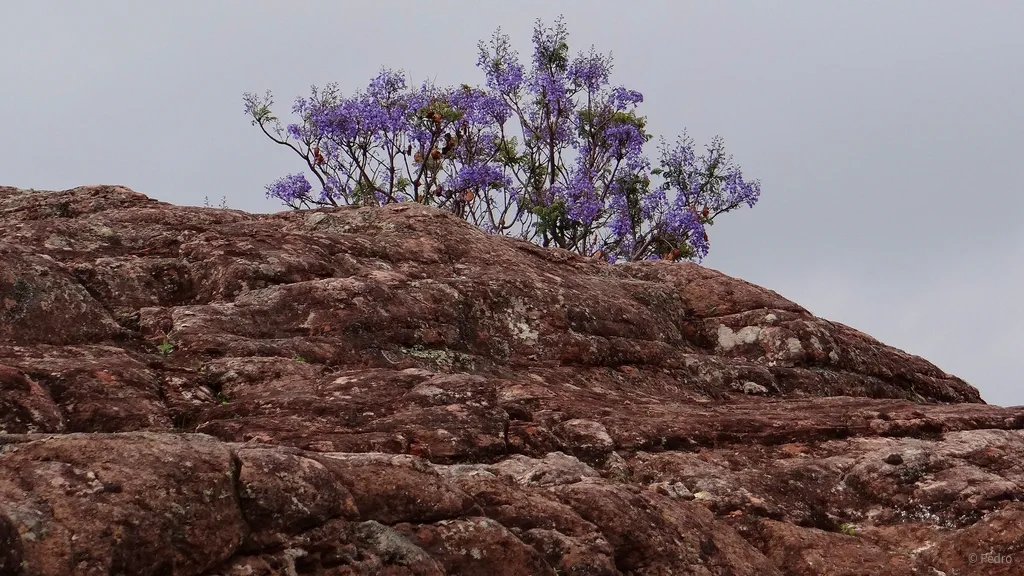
<point>553,154</point>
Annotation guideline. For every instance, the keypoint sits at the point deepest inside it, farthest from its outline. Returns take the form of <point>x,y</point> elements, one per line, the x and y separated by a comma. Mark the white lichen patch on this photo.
<point>427,391</point>
<point>794,347</point>
<point>443,358</point>
<point>103,231</point>
<point>519,323</point>
<point>674,490</point>
<point>447,289</point>
<point>754,388</point>
<point>58,242</point>
<point>313,220</point>
<point>926,547</point>
<point>728,339</point>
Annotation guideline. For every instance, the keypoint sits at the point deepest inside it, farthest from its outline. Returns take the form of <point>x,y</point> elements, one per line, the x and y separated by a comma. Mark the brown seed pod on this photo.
<point>418,158</point>
<point>435,154</point>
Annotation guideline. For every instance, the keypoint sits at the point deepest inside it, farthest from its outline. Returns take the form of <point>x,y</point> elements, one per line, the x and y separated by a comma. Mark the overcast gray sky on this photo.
<point>887,135</point>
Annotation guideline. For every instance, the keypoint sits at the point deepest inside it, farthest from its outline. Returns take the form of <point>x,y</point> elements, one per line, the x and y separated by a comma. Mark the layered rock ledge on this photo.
<point>198,391</point>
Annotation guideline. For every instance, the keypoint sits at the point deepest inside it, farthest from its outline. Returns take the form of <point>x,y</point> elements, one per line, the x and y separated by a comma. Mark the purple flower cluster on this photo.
<point>478,177</point>
<point>711,180</point>
<point>553,153</point>
<point>501,65</point>
<point>290,189</point>
<point>478,107</point>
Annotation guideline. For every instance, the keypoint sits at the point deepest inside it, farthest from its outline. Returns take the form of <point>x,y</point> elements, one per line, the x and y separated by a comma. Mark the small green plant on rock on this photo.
<point>223,202</point>
<point>848,529</point>
<point>166,347</point>
<point>62,209</point>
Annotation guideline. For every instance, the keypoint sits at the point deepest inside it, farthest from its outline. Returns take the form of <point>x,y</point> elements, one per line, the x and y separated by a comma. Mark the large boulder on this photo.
<point>197,391</point>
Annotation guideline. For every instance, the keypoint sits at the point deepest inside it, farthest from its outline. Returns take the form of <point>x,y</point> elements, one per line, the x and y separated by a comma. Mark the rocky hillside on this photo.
<point>196,391</point>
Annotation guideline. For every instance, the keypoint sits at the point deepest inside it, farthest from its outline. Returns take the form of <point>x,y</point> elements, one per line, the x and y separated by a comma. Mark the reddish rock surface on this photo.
<point>196,391</point>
